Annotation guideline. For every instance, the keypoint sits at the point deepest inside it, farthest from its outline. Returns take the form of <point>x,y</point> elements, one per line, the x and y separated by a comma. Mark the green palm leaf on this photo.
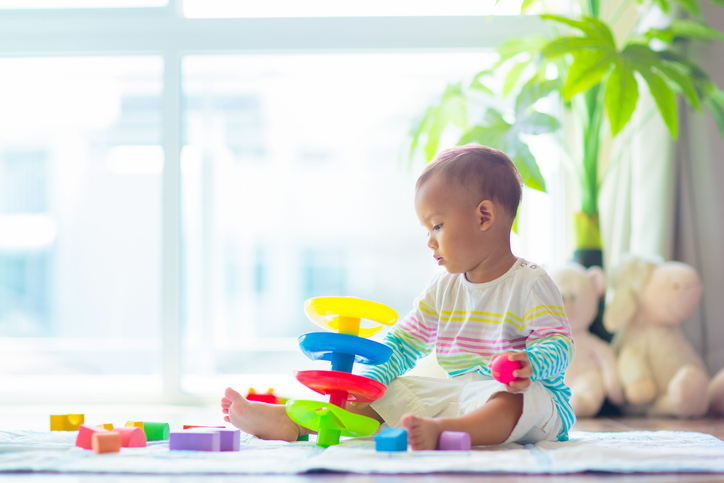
<point>621,96</point>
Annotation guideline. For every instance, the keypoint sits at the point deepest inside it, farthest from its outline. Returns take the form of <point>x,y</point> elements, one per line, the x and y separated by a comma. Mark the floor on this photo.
<point>27,418</point>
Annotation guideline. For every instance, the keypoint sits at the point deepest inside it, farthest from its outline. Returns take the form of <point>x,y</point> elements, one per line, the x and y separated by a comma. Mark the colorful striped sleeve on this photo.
<point>549,343</point>
<point>410,340</point>
<point>550,346</point>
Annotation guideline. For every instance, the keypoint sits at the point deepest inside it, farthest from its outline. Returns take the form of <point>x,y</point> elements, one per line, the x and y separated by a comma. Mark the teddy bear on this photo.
<point>661,373</point>
<point>592,372</point>
<point>716,395</point>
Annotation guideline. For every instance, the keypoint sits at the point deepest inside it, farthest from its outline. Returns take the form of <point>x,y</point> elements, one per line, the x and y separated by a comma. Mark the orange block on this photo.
<point>85,433</point>
<point>132,437</point>
<point>108,442</point>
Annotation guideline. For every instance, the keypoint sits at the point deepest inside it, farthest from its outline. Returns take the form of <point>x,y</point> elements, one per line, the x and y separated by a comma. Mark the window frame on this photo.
<point>166,32</point>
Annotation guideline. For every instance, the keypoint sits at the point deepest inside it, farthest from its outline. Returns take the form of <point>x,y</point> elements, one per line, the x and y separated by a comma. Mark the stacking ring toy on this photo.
<point>330,421</point>
<point>344,314</point>
<point>348,345</point>
<point>342,386</point>
<point>343,350</point>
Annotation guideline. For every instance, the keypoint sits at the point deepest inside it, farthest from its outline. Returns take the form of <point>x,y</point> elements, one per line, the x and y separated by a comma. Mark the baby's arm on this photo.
<point>549,344</point>
<point>410,340</point>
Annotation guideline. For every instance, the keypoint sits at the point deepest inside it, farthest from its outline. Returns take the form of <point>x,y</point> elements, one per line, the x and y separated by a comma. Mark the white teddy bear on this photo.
<point>661,373</point>
<point>592,373</point>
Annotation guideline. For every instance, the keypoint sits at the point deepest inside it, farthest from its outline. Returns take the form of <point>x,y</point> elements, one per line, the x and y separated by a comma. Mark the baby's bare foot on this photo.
<point>422,433</point>
<point>266,421</point>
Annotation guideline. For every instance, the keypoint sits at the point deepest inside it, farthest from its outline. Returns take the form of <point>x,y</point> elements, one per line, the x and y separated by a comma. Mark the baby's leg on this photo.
<point>491,423</point>
<point>266,421</point>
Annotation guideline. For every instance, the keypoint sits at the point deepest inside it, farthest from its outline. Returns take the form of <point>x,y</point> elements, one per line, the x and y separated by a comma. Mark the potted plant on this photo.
<point>596,79</point>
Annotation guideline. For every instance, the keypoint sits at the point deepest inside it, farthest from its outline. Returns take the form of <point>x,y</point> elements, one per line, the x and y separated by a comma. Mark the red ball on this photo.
<point>502,368</point>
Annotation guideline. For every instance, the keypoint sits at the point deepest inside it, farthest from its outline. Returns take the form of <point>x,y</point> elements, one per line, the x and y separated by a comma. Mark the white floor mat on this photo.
<point>635,451</point>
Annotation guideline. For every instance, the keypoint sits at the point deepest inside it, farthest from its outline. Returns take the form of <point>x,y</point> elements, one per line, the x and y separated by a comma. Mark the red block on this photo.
<point>132,437</point>
<point>267,397</point>
<point>85,435</point>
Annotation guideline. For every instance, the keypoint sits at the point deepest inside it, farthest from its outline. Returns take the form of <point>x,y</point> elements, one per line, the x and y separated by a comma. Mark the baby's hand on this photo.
<point>523,374</point>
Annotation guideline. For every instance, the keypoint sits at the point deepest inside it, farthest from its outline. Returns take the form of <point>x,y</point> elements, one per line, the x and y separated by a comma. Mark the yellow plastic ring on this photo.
<point>344,314</point>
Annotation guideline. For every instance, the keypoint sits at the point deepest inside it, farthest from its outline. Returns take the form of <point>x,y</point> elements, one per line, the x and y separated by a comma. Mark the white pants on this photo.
<point>433,397</point>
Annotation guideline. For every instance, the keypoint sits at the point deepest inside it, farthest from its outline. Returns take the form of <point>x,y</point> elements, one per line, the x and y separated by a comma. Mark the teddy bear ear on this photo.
<point>598,281</point>
<point>620,310</point>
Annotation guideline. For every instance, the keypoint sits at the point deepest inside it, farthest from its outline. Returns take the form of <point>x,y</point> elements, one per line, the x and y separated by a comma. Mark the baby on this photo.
<point>487,302</point>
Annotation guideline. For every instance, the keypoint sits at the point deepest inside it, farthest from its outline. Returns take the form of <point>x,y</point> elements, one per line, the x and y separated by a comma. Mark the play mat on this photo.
<point>635,451</point>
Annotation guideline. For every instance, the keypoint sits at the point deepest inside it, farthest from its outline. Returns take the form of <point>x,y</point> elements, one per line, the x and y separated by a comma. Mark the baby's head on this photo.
<point>467,198</point>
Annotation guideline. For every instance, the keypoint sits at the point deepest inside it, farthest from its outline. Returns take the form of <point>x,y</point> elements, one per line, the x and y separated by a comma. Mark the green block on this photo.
<point>304,437</point>
<point>156,431</point>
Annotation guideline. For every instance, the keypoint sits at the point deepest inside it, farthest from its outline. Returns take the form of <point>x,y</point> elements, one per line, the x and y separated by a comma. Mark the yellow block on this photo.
<point>108,426</point>
<point>66,422</point>
<point>137,424</point>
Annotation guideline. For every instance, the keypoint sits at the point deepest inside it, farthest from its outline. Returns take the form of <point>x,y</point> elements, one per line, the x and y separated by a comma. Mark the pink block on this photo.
<point>132,437</point>
<point>454,441</point>
<point>195,440</point>
<point>85,435</point>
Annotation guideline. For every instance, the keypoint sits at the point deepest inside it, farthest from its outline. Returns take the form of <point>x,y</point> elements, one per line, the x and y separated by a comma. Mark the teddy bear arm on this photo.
<point>636,376</point>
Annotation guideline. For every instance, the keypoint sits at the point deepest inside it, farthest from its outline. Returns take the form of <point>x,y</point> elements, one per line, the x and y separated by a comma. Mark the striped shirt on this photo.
<point>469,323</point>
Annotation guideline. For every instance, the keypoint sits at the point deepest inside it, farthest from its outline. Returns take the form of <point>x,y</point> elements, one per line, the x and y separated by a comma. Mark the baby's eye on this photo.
<point>437,227</point>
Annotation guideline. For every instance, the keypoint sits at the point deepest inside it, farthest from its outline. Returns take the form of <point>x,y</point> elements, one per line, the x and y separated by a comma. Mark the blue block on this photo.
<point>391,439</point>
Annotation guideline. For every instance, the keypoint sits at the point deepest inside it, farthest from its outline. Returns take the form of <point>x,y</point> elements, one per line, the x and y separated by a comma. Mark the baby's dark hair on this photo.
<point>485,169</point>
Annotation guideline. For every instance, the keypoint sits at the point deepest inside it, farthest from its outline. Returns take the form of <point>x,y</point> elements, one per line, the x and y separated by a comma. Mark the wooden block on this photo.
<point>391,439</point>
<point>66,422</point>
<point>85,435</point>
<point>132,437</point>
<point>108,442</point>
<point>107,426</point>
<point>195,439</point>
<point>189,426</point>
<point>134,424</point>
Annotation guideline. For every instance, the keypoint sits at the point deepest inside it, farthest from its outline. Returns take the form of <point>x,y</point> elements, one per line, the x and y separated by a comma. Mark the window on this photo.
<point>169,198</point>
<point>80,164</point>
<point>55,4</point>
<point>332,8</point>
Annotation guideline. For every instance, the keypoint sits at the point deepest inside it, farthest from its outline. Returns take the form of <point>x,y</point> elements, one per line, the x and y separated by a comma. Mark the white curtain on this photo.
<point>666,198</point>
<point>699,236</point>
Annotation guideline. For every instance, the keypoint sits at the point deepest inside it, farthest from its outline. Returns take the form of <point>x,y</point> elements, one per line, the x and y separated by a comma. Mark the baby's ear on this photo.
<point>487,214</point>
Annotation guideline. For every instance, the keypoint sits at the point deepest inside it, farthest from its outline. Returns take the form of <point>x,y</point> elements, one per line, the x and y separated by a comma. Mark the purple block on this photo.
<point>229,439</point>
<point>195,440</point>
<point>454,441</point>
